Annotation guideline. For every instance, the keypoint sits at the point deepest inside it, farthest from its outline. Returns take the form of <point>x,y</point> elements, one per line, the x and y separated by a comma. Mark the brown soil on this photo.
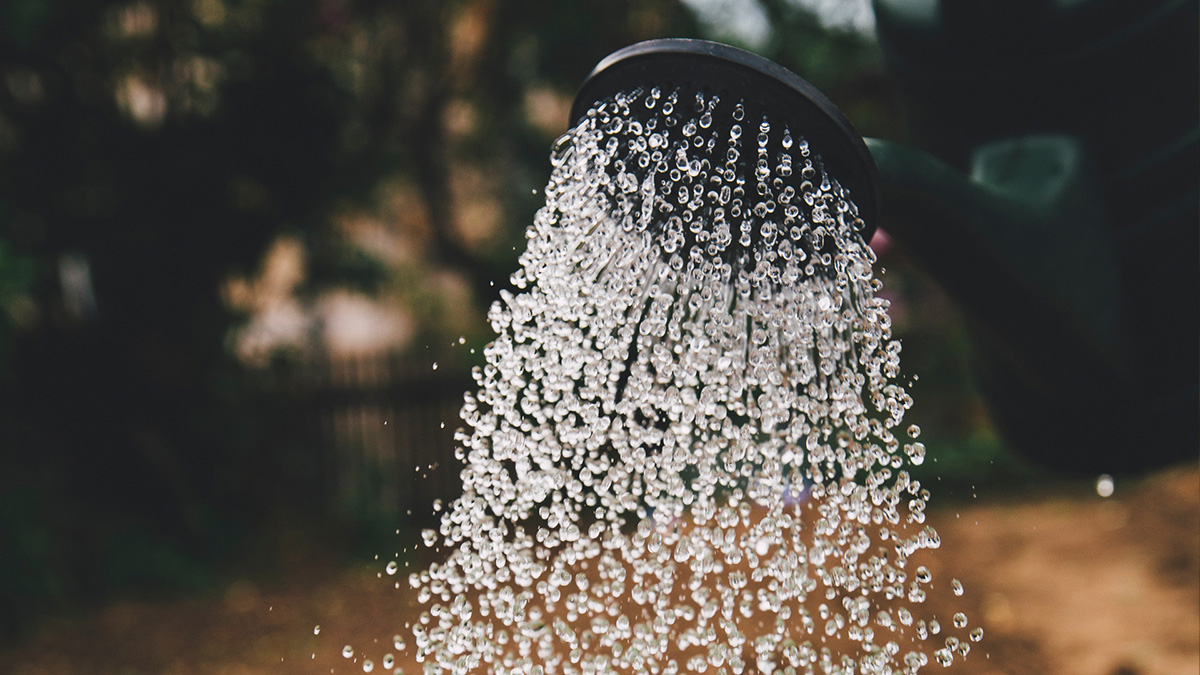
<point>1062,582</point>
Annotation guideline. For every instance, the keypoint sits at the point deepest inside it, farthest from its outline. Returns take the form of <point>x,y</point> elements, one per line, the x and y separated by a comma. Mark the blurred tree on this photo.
<point>151,149</point>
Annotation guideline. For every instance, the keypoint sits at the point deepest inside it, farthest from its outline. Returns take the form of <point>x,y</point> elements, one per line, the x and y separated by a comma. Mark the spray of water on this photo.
<point>685,452</point>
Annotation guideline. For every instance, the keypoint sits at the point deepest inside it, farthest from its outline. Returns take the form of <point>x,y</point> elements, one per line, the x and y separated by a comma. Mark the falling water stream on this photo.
<point>686,453</point>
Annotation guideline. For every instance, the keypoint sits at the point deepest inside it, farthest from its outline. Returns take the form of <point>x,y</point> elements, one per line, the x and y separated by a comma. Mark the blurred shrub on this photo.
<point>151,150</point>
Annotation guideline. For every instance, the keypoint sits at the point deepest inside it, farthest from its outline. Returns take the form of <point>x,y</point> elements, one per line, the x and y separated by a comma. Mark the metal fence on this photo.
<point>385,425</point>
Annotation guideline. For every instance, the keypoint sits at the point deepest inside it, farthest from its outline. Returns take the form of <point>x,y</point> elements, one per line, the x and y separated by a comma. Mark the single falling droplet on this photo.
<point>916,453</point>
<point>960,620</point>
<point>368,666</point>
<point>317,629</point>
<point>391,568</point>
<point>398,642</point>
<point>956,586</point>
<point>1105,485</point>
<point>976,635</point>
<point>435,365</point>
<point>388,661</point>
<point>347,651</point>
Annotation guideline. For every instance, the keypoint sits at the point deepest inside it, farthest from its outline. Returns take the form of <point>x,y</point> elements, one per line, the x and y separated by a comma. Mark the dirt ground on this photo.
<point>1062,581</point>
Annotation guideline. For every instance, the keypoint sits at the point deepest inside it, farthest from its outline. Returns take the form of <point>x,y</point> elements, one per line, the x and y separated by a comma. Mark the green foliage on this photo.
<point>17,276</point>
<point>28,577</point>
<point>21,21</point>
<point>147,151</point>
<point>151,149</point>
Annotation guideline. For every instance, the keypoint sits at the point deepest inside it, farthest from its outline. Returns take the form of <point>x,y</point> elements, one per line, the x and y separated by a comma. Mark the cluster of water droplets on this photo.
<point>685,453</point>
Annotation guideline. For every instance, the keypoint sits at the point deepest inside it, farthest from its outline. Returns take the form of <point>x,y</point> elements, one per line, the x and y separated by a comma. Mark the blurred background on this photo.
<point>246,252</point>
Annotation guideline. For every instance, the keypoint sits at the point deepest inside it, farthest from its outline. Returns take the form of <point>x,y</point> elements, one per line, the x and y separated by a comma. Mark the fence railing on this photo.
<point>385,425</point>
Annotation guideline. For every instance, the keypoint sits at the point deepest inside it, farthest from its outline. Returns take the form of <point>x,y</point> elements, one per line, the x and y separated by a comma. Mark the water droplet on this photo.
<point>368,666</point>
<point>915,452</point>
<point>1105,485</point>
<point>317,629</point>
<point>347,651</point>
<point>391,568</point>
<point>697,349</point>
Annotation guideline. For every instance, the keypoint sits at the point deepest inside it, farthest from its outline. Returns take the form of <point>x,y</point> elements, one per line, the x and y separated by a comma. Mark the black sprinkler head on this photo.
<point>763,87</point>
